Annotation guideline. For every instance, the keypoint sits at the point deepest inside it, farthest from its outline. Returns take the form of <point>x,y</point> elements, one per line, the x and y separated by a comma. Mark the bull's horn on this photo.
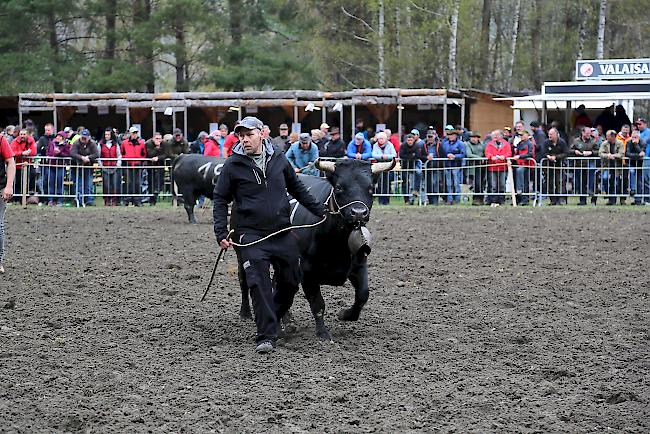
<point>383,167</point>
<point>325,166</point>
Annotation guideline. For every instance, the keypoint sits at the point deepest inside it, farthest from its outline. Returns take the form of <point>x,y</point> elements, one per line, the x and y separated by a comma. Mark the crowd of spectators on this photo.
<point>606,157</point>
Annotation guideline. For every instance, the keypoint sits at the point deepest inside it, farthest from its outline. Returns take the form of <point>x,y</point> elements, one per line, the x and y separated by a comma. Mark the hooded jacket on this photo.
<point>492,150</point>
<point>457,147</point>
<point>64,152</point>
<point>260,203</point>
<point>211,147</point>
<point>18,147</point>
<point>134,149</point>
<point>301,158</point>
<point>365,150</point>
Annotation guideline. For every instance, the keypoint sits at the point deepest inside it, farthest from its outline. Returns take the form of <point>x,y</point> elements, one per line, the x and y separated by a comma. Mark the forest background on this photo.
<point>205,45</point>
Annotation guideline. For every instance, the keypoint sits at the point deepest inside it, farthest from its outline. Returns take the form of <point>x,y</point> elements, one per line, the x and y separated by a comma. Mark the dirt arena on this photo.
<point>480,320</point>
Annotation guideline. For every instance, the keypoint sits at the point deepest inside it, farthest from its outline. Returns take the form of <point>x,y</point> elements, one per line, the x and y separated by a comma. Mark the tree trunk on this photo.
<point>453,74</point>
<point>54,46</point>
<point>496,56</point>
<point>485,40</point>
<point>600,44</point>
<point>513,44</point>
<point>109,53</point>
<point>180,55</point>
<point>380,48</point>
<point>536,41</point>
<point>141,16</point>
<point>582,34</point>
<point>398,26</point>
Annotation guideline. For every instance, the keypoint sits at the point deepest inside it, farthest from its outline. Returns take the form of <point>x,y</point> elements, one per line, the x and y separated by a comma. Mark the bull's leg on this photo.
<point>317,304</point>
<point>245,308</point>
<point>188,203</point>
<point>359,279</point>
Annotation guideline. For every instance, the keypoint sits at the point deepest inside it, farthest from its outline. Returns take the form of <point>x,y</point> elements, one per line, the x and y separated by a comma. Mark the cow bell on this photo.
<point>359,241</point>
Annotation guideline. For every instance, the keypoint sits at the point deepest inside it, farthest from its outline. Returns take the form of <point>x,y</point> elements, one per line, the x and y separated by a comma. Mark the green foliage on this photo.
<point>128,45</point>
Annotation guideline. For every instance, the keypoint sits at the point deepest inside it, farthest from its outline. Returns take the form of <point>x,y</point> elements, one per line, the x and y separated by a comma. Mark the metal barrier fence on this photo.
<point>440,180</point>
<point>590,178</point>
<point>55,180</point>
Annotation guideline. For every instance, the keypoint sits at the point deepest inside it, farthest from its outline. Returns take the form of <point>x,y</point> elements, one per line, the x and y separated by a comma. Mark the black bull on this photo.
<point>326,255</point>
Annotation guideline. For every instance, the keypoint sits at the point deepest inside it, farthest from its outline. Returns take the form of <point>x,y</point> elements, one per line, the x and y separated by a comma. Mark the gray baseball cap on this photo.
<point>249,123</point>
<point>305,138</point>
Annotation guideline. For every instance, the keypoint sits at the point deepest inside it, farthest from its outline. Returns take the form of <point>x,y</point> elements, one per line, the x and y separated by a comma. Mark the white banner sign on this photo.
<point>618,69</point>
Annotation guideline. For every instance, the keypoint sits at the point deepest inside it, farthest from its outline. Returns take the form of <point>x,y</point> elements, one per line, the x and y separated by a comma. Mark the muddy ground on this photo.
<point>480,320</point>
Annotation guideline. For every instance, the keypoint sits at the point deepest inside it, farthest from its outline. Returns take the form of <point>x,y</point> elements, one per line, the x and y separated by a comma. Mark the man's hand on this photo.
<point>516,157</point>
<point>296,170</point>
<point>578,152</point>
<point>224,244</point>
<point>429,157</point>
<point>586,153</point>
<point>154,159</point>
<point>642,154</point>
<point>85,159</point>
<point>8,193</point>
<point>26,153</point>
<point>451,156</point>
<point>611,156</point>
<point>551,157</point>
<point>358,157</point>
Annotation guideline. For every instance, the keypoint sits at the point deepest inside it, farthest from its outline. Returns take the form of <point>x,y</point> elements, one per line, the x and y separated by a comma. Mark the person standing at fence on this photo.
<point>383,150</point>
<point>635,152</point>
<point>412,154</point>
<point>177,145</point>
<point>229,143</point>
<point>156,172</point>
<point>524,153</point>
<point>211,147</point>
<point>583,149</point>
<point>302,155</point>
<point>434,166</point>
<point>58,151</point>
<point>198,146</point>
<point>23,147</point>
<point>334,147</point>
<point>555,151</point>
<point>282,140</point>
<point>42,145</point>
<point>7,177</point>
<point>84,154</point>
<point>134,151</point>
<point>497,151</point>
<point>110,162</point>
<point>642,125</point>
<point>454,150</point>
<point>612,152</point>
<point>475,150</point>
<point>359,148</point>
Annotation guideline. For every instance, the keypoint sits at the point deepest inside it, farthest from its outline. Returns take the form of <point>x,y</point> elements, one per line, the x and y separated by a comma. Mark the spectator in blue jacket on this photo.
<point>359,148</point>
<point>646,175</point>
<point>454,150</point>
<point>302,155</point>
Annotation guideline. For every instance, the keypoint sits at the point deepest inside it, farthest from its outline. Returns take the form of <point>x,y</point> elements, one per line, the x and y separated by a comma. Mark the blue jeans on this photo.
<point>646,183</point>
<point>83,181</point>
<point>497,187</point>
<point>610,183</point>
<point>54,176</point>
<point>522,179</point>
<point>452,177</point>
<point>636,183</point>
<point>433,180</point>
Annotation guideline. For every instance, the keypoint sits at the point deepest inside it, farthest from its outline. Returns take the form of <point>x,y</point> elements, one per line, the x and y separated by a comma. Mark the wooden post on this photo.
<point>353,119</point>
<point>128,118</point>
<point>324,112</point>
<point>511,183</point>
<point>543,121</point>
<point>153,120</point>
<point>55,116</point>
<point>23,181</point>
<point>400,107</point>
<point>341,122</point>
<point>462,113</point>
<point>295,115</point>
<point>444,113</point>
<point>185,122</point>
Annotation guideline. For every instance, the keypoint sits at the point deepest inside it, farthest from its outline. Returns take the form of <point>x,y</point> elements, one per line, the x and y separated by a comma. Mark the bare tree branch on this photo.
<point>426,10</point>
<point>358,19</point>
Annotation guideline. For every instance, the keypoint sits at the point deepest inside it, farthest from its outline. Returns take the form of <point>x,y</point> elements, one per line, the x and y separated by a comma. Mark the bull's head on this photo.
<point>354,184</point>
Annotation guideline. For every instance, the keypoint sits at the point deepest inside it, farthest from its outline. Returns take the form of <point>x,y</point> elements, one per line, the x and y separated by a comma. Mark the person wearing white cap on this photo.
<point>325,129</point>
<point>359,148</point>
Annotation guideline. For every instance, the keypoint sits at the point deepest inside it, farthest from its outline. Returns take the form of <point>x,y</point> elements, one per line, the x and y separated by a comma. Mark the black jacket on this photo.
<point>560,150</point>
<point>633,151</point>
<point>41,145</point>
<point>260,203</point>
<point>332,148</point>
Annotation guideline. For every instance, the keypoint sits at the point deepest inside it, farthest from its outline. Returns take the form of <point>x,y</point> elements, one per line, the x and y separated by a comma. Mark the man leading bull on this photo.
<point>256,179</point>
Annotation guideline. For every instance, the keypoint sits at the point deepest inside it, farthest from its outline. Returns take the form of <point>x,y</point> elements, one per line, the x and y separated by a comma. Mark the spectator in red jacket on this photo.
<point>59,147</point>
<point>7,172</point>
<point>110,160</point>
<point>497,151</point>
<point>133,151</point>
<point>211,147</point>
<point>23,147</point>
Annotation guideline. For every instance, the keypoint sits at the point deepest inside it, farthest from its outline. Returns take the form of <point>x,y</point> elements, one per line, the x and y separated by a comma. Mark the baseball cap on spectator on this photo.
<point>85,133</point>
<point>284,126</point>
<point>534,124</point>
<point>359,136</point>
<point>525,132</point>
<point>642,120</point>
<point>62,134</point>
<point>430,127</point>
<point>305,138</point>
<point>335,130</point>
<point>67,130</point>
<point>507,128</point>
<point>324,125</point>
<point>474,134</point>
<point>178,132</point>
<point>133,130</point>
<point>415,131</point>
<point>449,129</point>
<point>249,123</point>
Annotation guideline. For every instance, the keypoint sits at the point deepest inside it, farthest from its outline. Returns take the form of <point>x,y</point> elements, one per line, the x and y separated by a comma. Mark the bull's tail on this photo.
<point>174,186</point>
